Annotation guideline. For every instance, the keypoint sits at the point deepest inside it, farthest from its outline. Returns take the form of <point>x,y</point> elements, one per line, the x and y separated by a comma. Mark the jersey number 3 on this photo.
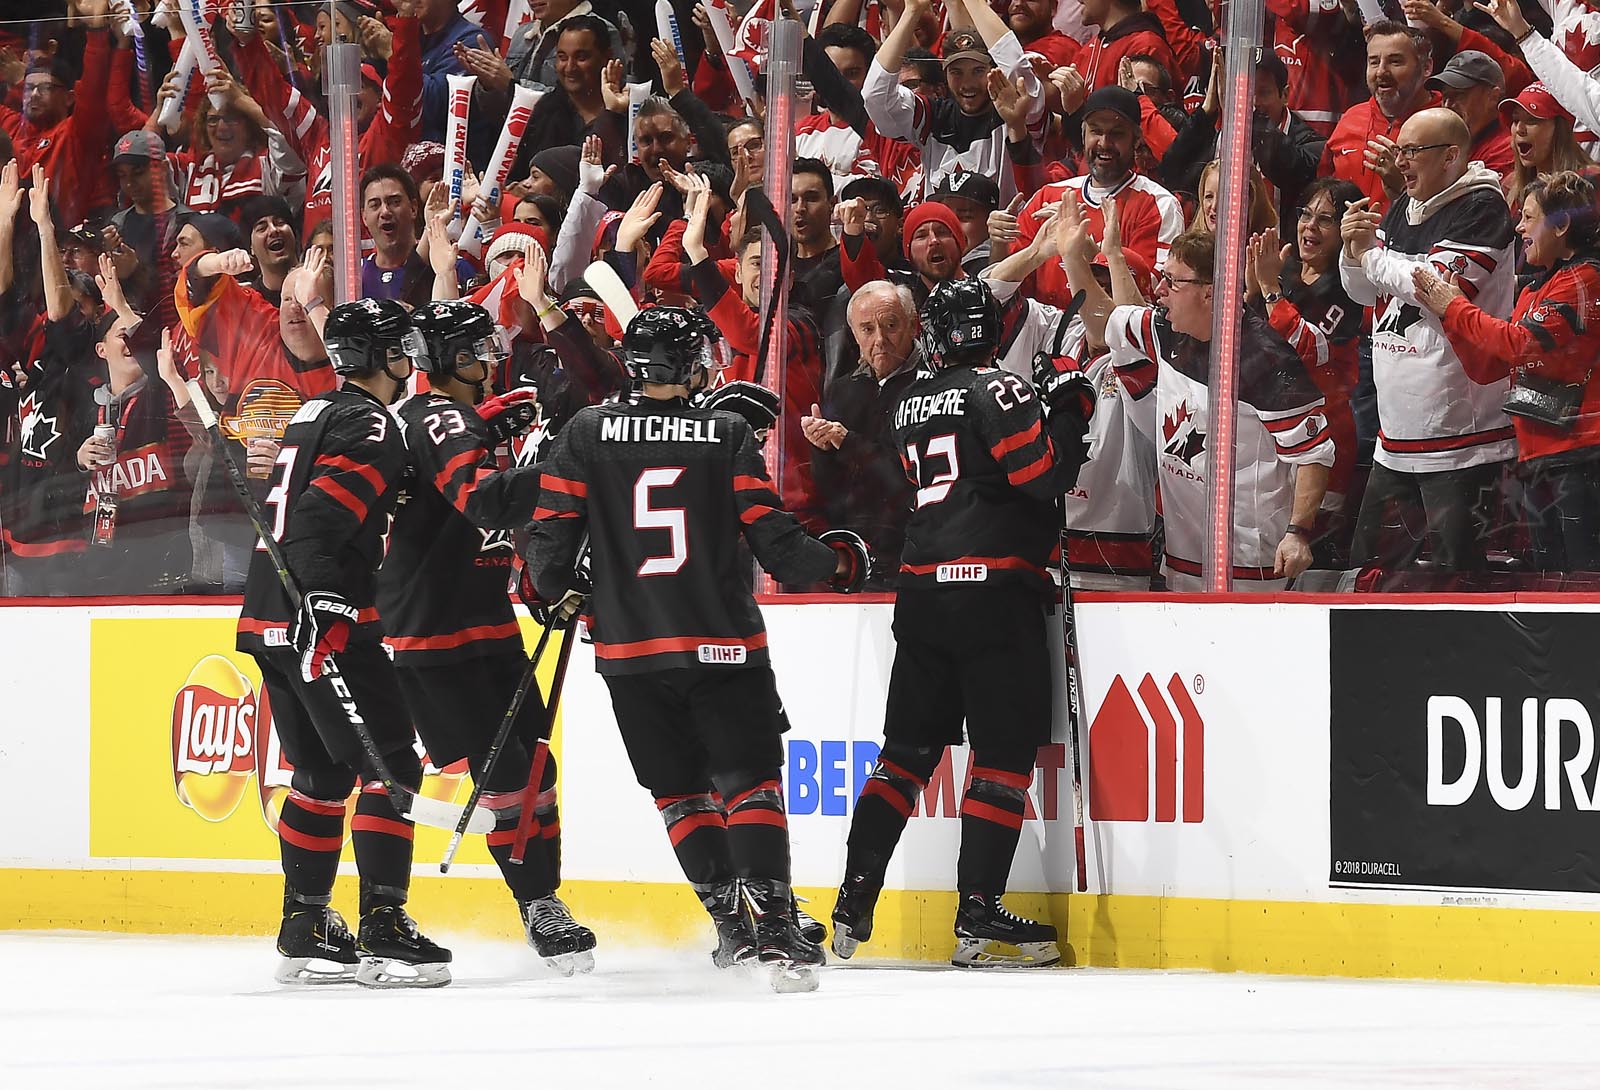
<point>670,519</point>
<point>938,486</point>
<point>278,494</point>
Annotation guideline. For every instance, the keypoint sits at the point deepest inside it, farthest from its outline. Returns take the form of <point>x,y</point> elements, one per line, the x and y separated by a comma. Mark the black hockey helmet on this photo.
<point>360,336</point>
<point>960,324</point>
<point>443,329</point>
<point>666,344</point>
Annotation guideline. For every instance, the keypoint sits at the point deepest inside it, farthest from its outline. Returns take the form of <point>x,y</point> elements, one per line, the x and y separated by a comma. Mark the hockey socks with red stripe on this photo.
<point>992,813</point>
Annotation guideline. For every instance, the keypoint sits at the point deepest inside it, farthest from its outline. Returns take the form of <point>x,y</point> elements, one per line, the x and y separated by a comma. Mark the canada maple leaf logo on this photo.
<point>1179,435</point>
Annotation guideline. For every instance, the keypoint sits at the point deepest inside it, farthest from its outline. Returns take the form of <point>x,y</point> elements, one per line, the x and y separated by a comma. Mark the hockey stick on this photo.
<point>480,781</point>
<point>518,698</point>
<point>541,749</point>
<point>1069,640</point>
<point>417,807</point>
<point>612,292</point>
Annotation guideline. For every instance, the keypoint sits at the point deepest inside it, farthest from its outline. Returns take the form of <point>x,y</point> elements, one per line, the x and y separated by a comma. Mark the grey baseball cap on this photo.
<point>1469,68</point>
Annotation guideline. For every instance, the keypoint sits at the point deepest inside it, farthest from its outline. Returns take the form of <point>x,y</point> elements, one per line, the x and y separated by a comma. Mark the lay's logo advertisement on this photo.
<point>184,757</point>
<point>214,738</point>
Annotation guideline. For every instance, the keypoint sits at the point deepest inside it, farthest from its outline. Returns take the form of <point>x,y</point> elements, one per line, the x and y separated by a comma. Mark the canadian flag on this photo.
<point>753,39</point>
<point>499,297</point>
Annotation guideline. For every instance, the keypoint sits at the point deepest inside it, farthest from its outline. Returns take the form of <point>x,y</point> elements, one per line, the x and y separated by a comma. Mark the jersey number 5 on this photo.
<point>670,519</point>
<point>937,487</point>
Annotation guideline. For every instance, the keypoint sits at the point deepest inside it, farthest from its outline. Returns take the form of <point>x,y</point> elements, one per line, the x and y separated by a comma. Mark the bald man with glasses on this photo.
<point>1443,439</point>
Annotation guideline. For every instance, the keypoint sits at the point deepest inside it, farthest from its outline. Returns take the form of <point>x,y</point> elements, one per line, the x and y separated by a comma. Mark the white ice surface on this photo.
<point>123,1012</point>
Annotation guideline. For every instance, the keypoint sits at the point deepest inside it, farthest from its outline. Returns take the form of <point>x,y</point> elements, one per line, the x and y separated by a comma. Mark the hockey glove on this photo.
<point>321,628</point>
<point>557,614</point>
<point>757,404</point>
<point>1063,385</point>
<point>852,574</point>
<point>509,415</point>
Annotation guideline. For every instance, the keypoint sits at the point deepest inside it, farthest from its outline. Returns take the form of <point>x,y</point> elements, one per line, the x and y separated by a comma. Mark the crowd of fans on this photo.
<point>1417,373</point>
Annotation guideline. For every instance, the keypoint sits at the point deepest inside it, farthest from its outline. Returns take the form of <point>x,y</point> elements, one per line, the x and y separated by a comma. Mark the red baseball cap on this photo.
<point>1137,265</point>
<point>1537,100</point>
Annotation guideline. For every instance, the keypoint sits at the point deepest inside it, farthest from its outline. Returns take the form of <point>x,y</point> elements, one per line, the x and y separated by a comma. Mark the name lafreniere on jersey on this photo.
<point>921,407</point>
<point>659,429</point>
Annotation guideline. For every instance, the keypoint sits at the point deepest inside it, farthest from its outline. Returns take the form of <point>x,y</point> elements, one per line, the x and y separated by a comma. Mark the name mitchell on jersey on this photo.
<point>659,429</point>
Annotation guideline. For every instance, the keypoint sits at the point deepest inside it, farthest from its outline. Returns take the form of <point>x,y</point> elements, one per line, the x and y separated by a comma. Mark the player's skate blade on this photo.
<point>852,914</point>
<point>991,936</point>
<point>788,979</point>
<point>565,944</point>
<point>394,954</point>
<point>316,948</point>
<point>992,954</point>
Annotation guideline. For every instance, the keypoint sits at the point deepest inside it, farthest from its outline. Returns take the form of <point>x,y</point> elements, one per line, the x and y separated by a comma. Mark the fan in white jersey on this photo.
<point>1162,359</point>
<point>1442,438</point>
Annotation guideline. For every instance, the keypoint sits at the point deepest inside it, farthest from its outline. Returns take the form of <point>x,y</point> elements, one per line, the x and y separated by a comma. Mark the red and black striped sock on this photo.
<point>699,836</point>
<point>991,821</point>
<point>383,843</point>
<point>758,831</point>
<point>881,813</point>
<point>529,879</point>
<point>310,836</point>
<point>548,811</point>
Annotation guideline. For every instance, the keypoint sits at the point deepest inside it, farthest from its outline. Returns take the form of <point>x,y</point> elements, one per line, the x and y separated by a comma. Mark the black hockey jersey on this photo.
<point>41,494</point>
<point>335,483</point>
<point>988,469</point>
<point>664,490</point>
<point>442,591</point>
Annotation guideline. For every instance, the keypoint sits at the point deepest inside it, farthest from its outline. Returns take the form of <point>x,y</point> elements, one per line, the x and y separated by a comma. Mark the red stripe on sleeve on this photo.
<point>466,457</point>
<point>561,484</point>
<point>1032,469</point>
<point>754,512</point>
<point>1011,443</point>
<point>744,480</point>
<point>343,496</point>
<point>340,463</point>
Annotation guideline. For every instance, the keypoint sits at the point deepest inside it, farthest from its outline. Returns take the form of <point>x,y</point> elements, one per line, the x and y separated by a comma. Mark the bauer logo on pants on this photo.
<point>1122,781</point>
<point>1462,749</point>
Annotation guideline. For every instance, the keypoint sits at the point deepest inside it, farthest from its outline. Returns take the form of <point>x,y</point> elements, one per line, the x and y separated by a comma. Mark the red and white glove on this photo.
<point>321,628</point>
<point>509,415</point>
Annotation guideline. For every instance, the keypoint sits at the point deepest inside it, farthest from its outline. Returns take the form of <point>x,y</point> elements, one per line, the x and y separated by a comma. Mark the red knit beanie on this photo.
<point>932,210</point>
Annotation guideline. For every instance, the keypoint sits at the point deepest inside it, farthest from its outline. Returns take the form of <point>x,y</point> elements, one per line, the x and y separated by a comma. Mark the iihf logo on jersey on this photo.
<point>1180,437</point>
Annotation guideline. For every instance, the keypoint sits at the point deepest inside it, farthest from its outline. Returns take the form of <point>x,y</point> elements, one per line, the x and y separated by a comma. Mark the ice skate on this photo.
<point>811,928</point>
<point>565,944</point>
<point>991,936</point>
<point>790,959</point>
<point>317,947</point>
<point>852,914</point>
<point>394,954</point>
<point>735,943</point>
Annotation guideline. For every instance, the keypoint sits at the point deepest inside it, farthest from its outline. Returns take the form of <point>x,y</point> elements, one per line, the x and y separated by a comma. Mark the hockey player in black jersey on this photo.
<point>446,613</point>
<point>334,485</point>
<point>664,489</point>
<point>987,460</point>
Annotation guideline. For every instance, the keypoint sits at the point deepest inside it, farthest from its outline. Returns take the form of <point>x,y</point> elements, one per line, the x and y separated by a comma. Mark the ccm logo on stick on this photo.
<point>1121,780</point>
